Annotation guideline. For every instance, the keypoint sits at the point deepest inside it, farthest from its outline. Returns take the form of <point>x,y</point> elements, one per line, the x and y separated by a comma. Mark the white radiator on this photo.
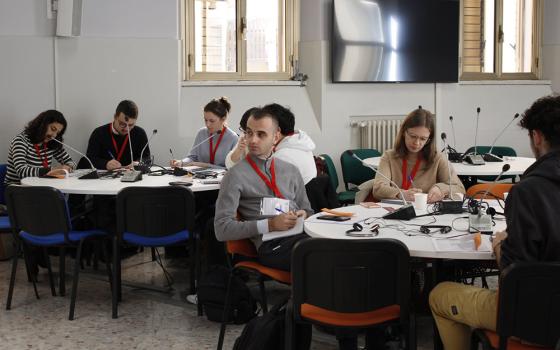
<point>377,133</point>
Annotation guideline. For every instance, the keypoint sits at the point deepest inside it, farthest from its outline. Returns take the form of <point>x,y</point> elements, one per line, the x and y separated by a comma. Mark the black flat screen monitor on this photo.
<point>414,41</point>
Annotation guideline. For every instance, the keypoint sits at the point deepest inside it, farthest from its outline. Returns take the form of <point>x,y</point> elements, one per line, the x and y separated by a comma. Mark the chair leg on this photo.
<point>411,333</point>
<point>107,264</point>
<point>62,272</point>
<point>28,265</point>
<point>154,258</point>
<point>226,312</point>
<point>49,269</point>
<point>77,265</point>
<point>289,330</point>
<point>193,267</point>
<point>13,276</point>
<point>264,303</point>
<point>116,272</point>
<point>198,263</point>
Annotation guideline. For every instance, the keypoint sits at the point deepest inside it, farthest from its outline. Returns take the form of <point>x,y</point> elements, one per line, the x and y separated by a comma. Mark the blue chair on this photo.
<point>344,197</point>
<point>40,218</point>
<point>5,226</point>
<point>154,217</point>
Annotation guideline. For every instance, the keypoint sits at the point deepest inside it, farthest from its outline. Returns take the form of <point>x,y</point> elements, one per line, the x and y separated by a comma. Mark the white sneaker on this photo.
<point>192,299</point>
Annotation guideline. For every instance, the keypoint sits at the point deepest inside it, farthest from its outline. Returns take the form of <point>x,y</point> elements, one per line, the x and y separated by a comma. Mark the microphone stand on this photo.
<point>406,212</point>
<point>143,166</point>
<point>91,175</point>
<point>449,206</point>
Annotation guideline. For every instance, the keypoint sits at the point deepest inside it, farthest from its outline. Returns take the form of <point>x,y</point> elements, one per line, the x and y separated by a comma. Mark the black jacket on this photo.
<point>533,214</point>
<point>101,148</point>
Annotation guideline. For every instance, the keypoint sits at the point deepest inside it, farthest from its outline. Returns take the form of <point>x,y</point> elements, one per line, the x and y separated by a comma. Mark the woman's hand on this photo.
<point>409,194</point>
<point>68,168</point>
<point>435,195</point>
<point>57,172</point>
<point>174,163</point>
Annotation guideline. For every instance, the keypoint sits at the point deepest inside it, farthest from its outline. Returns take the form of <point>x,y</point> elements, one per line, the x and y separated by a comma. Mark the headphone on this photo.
<point>442,228</point>
<point>356,231</point>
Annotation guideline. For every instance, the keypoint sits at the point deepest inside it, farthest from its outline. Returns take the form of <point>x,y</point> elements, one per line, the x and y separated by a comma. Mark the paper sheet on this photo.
<point>296,230</point>
<point>460,244</point>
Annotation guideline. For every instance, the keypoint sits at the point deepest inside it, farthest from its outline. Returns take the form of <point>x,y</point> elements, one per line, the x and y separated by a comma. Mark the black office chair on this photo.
<point>154,217</point>
<point>39,216</point>
<point>5,226</point>
<point>350,284</point>
<point>528,308</point>
<point>321,194</point>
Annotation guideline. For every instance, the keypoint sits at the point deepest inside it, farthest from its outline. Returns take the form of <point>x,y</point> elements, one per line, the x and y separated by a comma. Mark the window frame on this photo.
<point>290,26</point>
<point>536,65</point>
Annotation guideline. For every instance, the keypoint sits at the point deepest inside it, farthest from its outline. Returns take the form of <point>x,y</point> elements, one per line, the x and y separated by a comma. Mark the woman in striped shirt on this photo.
<point>31,152</point>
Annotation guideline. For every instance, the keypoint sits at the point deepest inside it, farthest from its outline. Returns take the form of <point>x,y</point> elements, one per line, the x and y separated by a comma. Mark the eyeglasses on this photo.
<point>356,231</point>
<point>241,130</point>
<point>417,138</point>
<point>124,125</point>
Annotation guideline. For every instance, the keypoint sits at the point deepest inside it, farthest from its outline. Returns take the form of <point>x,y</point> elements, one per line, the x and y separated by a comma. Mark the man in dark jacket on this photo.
<point>110,144</point>
<point>533,230</point>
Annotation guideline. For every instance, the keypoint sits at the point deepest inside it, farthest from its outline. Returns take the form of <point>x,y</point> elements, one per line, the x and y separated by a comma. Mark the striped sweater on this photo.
<point>23,160</point>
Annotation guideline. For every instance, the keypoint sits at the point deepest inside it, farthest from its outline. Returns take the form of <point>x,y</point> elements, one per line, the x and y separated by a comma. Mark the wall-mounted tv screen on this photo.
<point>395,41</point>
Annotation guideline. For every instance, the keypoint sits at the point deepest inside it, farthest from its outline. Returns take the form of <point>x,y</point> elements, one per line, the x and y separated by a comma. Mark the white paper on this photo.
<point>460,244</point>
<point>296,230</point>
<point>271,206</point>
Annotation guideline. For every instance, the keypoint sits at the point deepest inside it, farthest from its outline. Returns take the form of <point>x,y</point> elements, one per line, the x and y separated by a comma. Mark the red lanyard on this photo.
<point>406,182</point>
<point>270,183</point>
<point>213,152</point>
<point>123,146</point>
<point>44,157</point>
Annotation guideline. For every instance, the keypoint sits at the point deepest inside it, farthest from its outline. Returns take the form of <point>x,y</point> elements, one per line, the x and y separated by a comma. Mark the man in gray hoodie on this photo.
<point>260,176</point>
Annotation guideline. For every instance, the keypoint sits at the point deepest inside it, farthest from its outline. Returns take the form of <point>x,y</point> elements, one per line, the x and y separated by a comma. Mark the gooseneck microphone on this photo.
<point>203,141</point>
<point>449,206</point>
<point>475,159</point>
<point>406,212</point>
<point>444,139</point>
<point>130,144</point>
<point>489,157</point>
<point>143,166</point>
<point>93,174</point>
<point>480,221</point>
<point>453,131</point>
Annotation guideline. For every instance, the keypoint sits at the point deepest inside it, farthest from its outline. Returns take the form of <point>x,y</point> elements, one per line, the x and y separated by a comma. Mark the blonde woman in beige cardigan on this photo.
<point>414,164</point>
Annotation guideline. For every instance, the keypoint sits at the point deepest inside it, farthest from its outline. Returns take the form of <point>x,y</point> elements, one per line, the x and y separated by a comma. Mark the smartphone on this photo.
<point>333,218</point>
<point>180,183</point>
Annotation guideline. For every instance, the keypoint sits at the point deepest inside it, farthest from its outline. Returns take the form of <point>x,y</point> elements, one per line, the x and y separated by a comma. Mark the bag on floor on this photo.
<point>212,295</point>
<point>264,332</point>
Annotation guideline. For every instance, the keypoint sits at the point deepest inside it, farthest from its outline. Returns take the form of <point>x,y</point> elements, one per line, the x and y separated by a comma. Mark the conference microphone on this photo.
<point>480,221</point>
<point>406,212</point>
<point>144,167</point>
<point>489,157</point>
<point>449,206</point>
<point>93,174</point>
<point>453,131</point>
<point>475,159</point>
<point>130,144</point>
<point>452,154</point>
<point>205,140</point>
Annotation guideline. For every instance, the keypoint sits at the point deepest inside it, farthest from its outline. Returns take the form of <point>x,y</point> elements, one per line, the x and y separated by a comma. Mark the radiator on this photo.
<point>377,133</point>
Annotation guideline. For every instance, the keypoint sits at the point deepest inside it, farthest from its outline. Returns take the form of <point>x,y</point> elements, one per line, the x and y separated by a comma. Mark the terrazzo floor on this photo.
<point>147,320</point>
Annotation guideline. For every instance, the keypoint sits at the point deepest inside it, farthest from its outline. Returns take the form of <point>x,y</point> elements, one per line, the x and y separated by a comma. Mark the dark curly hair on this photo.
<point>286,119</point>
<point>218,106</point>
<point>544,115</point>
<point>128,108</point>
<point>37,128</point>
<point>418,117</point>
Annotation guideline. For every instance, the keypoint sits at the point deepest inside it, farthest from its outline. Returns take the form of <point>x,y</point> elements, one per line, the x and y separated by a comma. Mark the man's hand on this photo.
<point>113,164</point>
<point>498,238</point>
<point>301,213</point>
<point>283,222</point>
<point>435,195</point>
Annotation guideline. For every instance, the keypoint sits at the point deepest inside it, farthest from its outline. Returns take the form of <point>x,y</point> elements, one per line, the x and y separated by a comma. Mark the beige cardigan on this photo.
<point>390,165</point>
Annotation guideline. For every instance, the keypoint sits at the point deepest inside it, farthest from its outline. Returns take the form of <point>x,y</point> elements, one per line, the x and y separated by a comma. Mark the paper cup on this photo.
<point>505,195</point>
<point>457,196</point>
<point>421,201</point>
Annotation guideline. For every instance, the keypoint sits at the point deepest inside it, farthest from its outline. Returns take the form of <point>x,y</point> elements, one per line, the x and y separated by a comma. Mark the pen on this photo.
<point>411,182</point>
<point>280,210</point>
<point>171,151</point>
<point>111,154</point>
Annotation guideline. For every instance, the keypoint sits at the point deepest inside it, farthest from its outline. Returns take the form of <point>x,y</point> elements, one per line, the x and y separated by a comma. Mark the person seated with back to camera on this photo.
<point>294,146</point>
<point>214,141</point>
<point>414,163</point>
<point>257,178</point>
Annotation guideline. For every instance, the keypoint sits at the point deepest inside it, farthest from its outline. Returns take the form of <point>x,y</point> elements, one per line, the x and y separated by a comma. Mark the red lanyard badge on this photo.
<point>43,155</point>
<point>213,152</point>
<point>407,181</point>
<point>118,151</point>
<point>270,183</point>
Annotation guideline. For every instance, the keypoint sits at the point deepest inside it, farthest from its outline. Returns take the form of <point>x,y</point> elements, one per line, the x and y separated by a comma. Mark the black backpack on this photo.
<point>264,332</point>
<point>212,295</point>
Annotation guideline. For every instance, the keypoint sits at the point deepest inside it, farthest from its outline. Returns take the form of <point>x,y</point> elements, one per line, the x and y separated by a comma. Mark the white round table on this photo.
<point>518,165</point>
<point>73,185</point>
<point>422,246</point>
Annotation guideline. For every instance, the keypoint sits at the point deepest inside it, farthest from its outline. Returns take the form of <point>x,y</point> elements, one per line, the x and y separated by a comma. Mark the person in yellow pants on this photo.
<point>532,231</point>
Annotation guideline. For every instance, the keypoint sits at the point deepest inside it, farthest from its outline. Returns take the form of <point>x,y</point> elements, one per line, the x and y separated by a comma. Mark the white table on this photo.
<point>73,185</point>
<point>518,165</point>
<point>418,245</point>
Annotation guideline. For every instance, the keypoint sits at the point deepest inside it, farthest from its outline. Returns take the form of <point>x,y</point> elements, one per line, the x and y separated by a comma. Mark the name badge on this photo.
<point>274,206</point>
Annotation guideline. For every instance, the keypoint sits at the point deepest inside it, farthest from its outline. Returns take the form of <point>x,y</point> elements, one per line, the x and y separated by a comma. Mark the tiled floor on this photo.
<point>147,320</point>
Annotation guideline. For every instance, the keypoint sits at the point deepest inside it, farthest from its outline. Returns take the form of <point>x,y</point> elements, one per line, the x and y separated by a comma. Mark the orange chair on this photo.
<point>350,284</point>
<point>245,249</point>
<point>528,308</point>
<point>496,190</point>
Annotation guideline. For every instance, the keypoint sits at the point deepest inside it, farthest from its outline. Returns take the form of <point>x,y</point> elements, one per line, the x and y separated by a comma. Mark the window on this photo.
<point>239,39</point>
<point>500,39</point>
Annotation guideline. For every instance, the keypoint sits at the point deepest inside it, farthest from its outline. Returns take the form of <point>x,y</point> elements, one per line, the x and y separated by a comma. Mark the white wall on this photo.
<point>130,49</point>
